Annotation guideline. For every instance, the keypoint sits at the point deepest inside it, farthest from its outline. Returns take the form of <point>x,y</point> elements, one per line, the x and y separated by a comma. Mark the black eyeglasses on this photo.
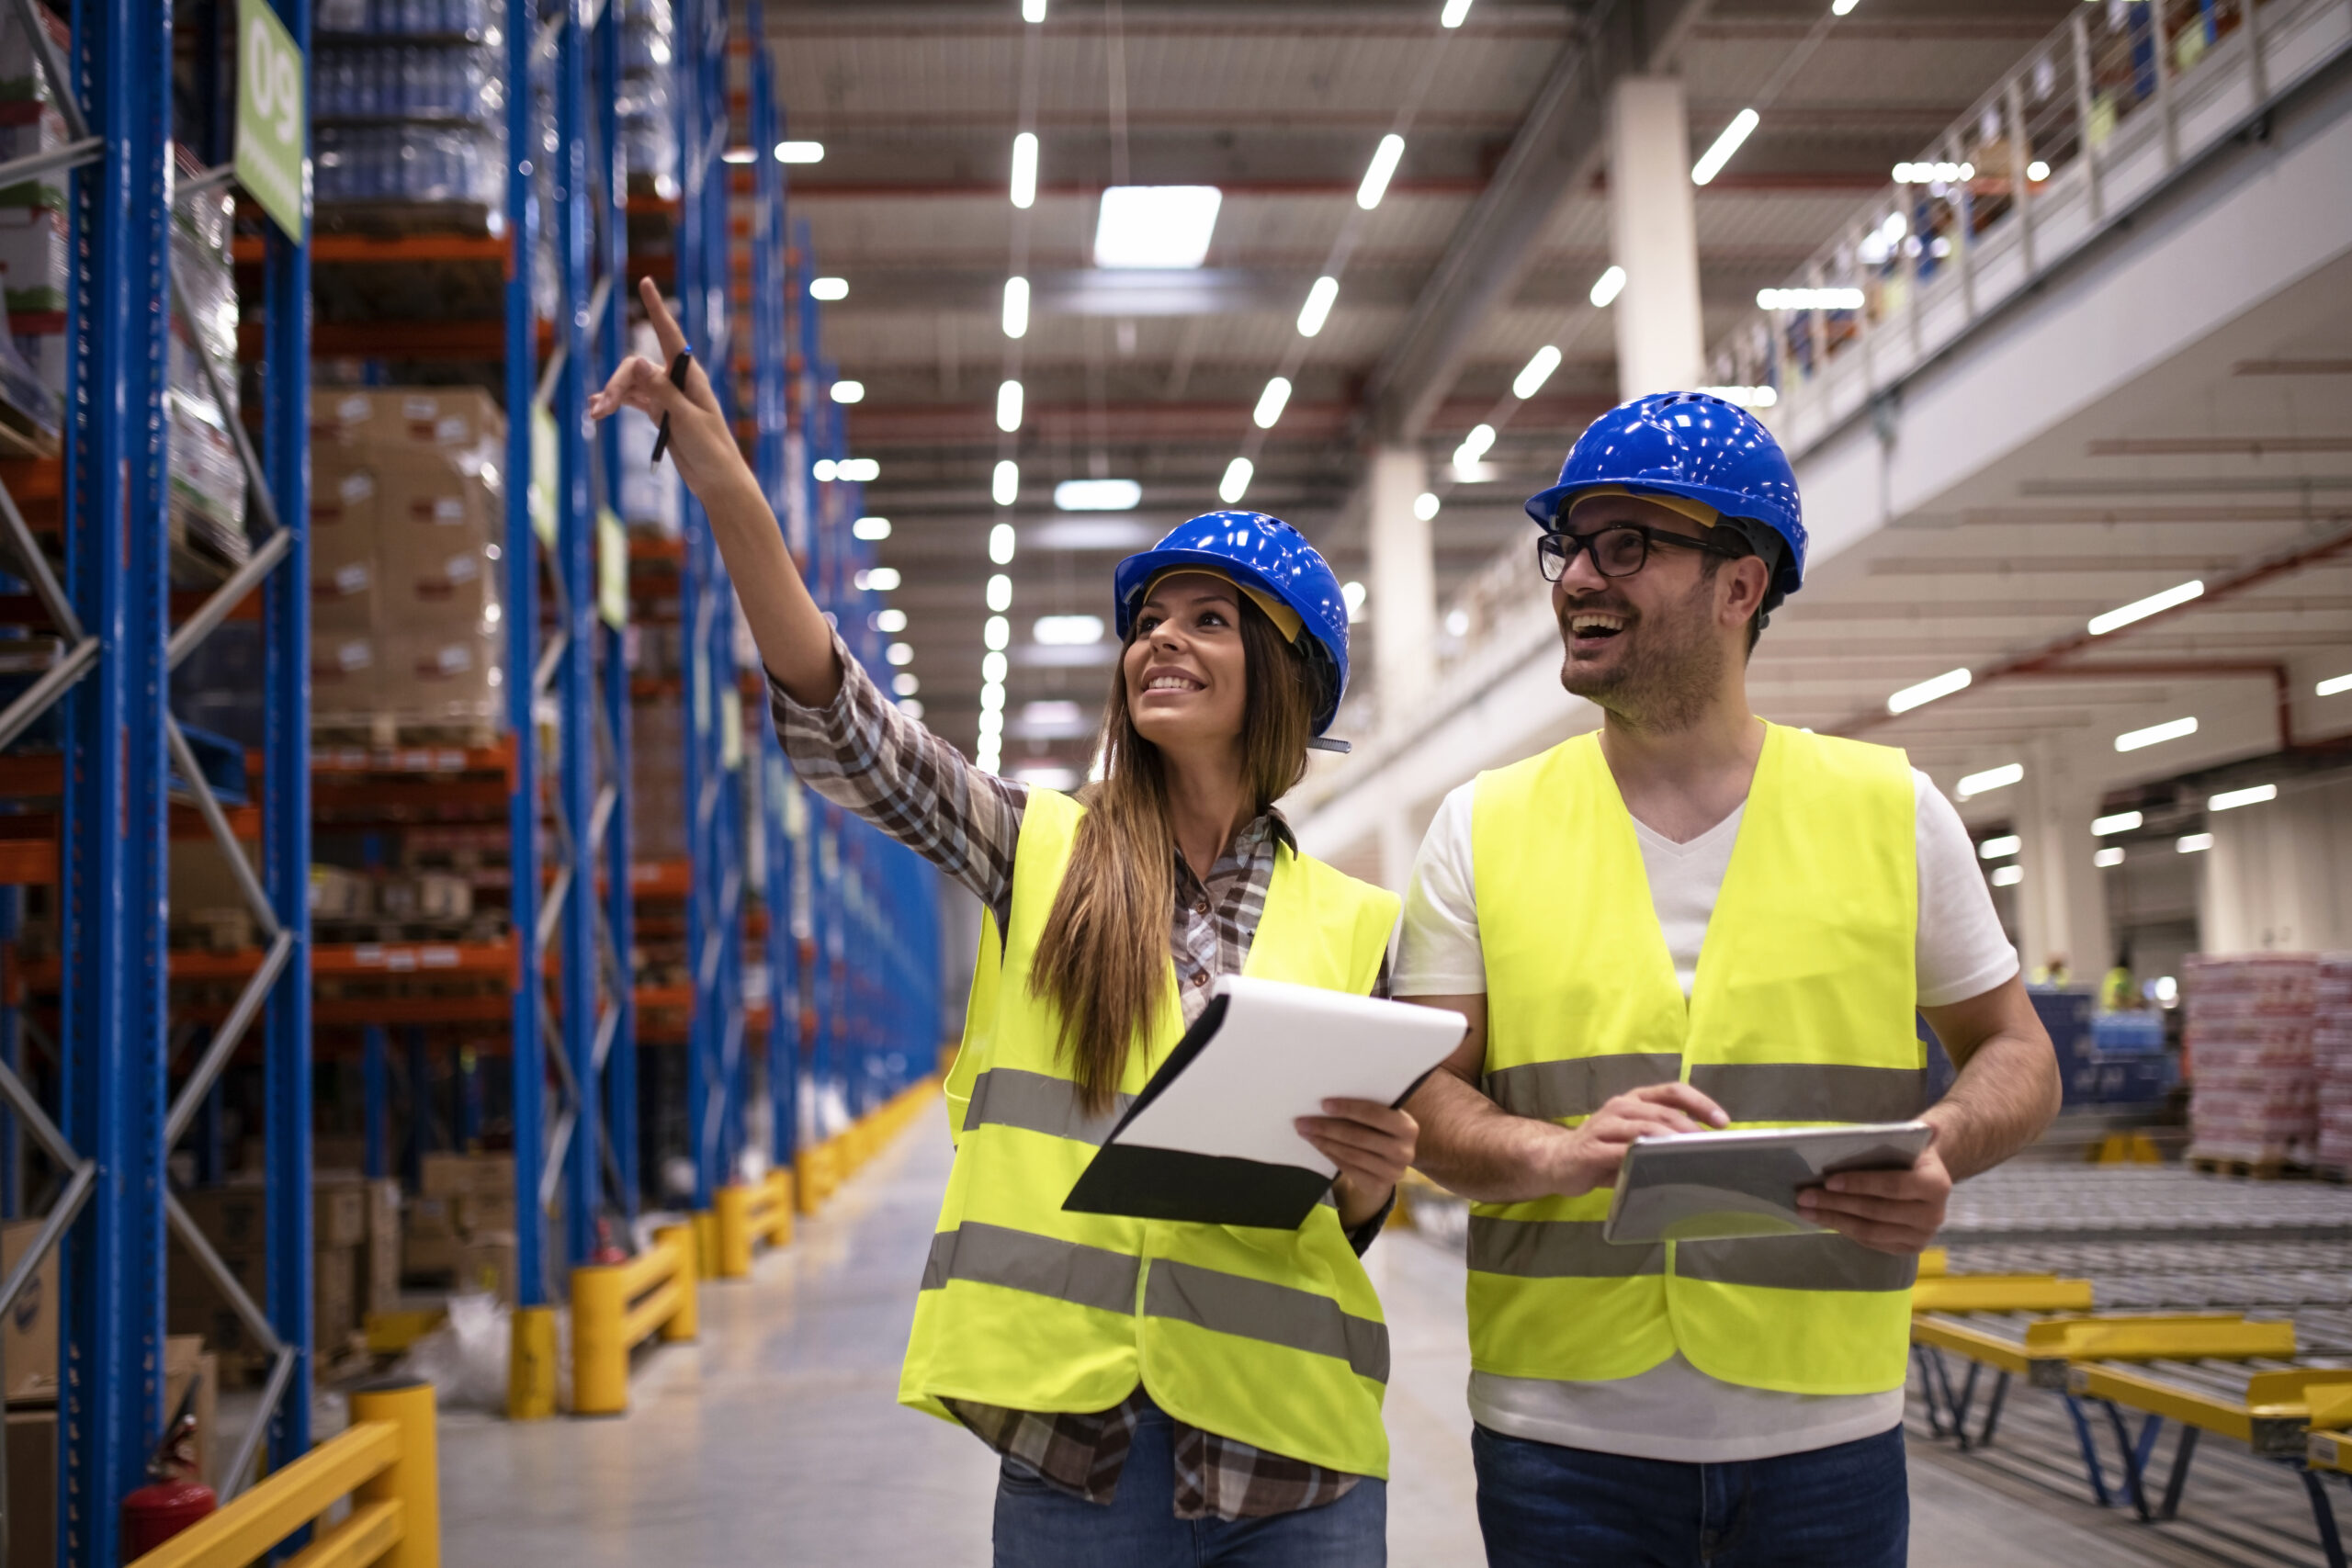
<point>1619,549</point>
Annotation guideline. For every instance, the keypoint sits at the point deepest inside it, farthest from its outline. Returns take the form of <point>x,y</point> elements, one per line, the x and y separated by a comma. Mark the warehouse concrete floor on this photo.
<point>776,1439</point>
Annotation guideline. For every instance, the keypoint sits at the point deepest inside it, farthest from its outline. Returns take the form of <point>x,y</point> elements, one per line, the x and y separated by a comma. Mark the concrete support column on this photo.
<point>1653,235</point>
<point>2061,903</point>
<point>1402,598</point>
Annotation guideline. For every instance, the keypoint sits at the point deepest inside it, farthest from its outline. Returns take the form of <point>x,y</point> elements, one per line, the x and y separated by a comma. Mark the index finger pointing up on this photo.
<point>665,325</point>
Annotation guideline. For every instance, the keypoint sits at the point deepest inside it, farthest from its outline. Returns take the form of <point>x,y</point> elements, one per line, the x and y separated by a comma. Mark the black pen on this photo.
<point>678,369</point>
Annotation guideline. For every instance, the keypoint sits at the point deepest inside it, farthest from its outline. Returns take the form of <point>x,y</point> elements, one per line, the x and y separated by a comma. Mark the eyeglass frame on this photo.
<point>1651,536</point>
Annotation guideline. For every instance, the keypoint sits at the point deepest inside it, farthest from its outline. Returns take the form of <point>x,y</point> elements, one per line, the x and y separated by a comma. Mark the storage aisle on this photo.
<point>776,1438</point>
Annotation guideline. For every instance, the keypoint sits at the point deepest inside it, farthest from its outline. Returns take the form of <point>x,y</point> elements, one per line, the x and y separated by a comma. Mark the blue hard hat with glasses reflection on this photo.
<point>1699,448</point>
<point>1265,555</point>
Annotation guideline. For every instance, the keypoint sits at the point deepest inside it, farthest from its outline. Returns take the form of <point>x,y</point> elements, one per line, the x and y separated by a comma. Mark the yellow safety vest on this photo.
<point>1802,1013</point>
<point>1271,1338</point>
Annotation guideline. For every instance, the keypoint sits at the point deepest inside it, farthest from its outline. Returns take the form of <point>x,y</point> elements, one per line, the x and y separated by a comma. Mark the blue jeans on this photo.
<point>1038,1526</point>
<point>1542,1506</point>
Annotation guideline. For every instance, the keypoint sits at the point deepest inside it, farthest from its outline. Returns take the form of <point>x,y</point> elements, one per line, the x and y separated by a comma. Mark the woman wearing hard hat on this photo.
<point>1152,1388</point>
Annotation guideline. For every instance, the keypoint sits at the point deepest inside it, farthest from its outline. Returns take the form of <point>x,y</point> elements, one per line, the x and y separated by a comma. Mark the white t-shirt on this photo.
<point>1673,1411</point>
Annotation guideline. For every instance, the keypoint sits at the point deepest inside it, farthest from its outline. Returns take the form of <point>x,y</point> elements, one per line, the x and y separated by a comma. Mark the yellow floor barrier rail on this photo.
<point>751,1211</point>
<point>2001,1292</point>
<point>617,1306</point>
<point>821,1168</point>
<point>387,1462</point>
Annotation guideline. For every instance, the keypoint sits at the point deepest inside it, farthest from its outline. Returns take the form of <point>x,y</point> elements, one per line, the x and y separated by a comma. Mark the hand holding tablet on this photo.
<point>1716,1186</point>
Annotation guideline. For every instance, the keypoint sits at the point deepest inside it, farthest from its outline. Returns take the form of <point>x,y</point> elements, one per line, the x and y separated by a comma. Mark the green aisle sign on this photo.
<point>272,124</point>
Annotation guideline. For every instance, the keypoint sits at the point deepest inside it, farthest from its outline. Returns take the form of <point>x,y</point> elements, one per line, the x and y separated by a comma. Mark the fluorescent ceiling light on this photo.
<point>1025,168</point>
<point>1457,622</point>
<point>1270,402</point>
<point>849,392</point>
<point>2231,799</point>
<point>1041,776</point>
<point>2037,171</point>
<point>997,634</point>
<point>1453,12</point>
<point>2111,856</point>
<point>1008,407</point>
<point>2001,848</point>
<point>1353,593</point>
<point>1745,397</point>
<point>1990,779</point>
<point>1927,691</point>
<point>799,152</point>
<point>1068,631</point>
<point>1384,164</point>
<point>1052,712</point>
<point>1425,505</point>
<point>1711,163</point>
<point>890,622</point>
<point>1809,299</point>
<point>900,653</point>
<point>2193,843</point>
<point>1016,307</point>
<point>1098,495</point>
<point>821,471</point>
<point>1931,173</point>
<point>905,685</point>
<point>1474,445</point>
<point>1537,370</point>
<point>2007,876</point>
<point>1033,10</point>
<point>2156,734</point>
<point>911,708</point>
<point>1156,226</point>
<point>1317,308</point>
<point>2121,822</point>
<point>992,669</point>
<point>1474,473</point>
<point>1005,488</point>
<point>877,580</point>
<point>737,155</point>
<point>1607,287</point>
<point>2141,609</point>
<point>1842,7</point>
<point>1001,543</point>
<point>1000,593</point>
<point>870,529</point>
<point>2332,685</point>
<point>829,288</point>
<point>1236,483</point>
<point>851,470</point>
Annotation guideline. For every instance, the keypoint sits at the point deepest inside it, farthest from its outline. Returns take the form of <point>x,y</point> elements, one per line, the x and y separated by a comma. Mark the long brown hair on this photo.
<point>1102,958</point>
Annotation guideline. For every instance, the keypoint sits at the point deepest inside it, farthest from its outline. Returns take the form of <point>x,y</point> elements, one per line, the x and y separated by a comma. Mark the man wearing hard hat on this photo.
<point>1694,919</point>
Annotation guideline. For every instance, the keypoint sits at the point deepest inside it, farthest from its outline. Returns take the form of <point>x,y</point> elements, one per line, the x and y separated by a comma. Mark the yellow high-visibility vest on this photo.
<point>1269,1336</point>
<point>1802,1013</point>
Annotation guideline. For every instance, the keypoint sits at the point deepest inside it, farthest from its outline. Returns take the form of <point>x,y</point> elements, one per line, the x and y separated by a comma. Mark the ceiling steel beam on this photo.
<point>1559,145</point>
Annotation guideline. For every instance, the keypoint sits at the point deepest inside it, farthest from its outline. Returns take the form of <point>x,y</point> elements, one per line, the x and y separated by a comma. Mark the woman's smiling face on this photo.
<point>1186,671</point>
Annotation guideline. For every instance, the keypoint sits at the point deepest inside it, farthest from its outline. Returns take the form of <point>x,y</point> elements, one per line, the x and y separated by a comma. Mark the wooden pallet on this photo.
<point>2255,1169</point>
<point>392,731</point>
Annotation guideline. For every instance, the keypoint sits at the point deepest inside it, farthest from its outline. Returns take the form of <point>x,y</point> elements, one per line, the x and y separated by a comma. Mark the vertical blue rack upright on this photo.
<point>125,760</point>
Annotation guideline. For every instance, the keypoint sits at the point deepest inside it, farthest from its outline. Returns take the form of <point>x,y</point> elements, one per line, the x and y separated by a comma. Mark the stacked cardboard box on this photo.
<point>408,512</point>
<point>461,1229</point>
<point>355,1232</point>
<point>2332,1057</point>
<point>2252,1090</point>
<point>658,808</point>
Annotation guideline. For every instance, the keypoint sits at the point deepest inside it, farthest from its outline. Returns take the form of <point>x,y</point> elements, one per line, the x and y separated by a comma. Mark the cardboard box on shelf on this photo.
<point>28,1337</point>
<point>235,1218</point>
<point>406,417</point>
<point>440,677</point>
<point>194,1305</point>
<point>337,893</point>
<point>484,1213</point>
<point>201,877</point>
<point>32,1484</point>
<point>467,1175</point>
<point>489,1265</point>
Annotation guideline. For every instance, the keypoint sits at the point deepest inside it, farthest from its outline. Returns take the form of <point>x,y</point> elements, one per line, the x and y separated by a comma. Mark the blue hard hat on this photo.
<point>1261,552</point>
<point>1692,444</point>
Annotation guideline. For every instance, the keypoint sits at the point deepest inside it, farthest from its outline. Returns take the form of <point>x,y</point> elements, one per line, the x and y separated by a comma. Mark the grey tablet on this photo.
<point>1715,1186</point>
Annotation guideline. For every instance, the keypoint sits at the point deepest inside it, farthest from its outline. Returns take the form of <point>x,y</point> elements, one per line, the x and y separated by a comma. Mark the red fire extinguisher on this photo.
<point>173,1499</point>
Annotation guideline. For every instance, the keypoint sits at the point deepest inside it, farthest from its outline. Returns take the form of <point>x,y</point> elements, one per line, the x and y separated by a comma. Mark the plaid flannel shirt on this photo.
<point>863,754</point>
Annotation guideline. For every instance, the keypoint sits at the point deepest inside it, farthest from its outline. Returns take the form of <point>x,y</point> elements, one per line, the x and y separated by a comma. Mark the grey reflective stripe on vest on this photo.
<point>1039,1103</point>
<point>1023,1260</point>
<point>1277,1315</point>
<point>1812,1091</point>
<point>1577,1087</point>
<point>1795,1263</point>
<point>1555,1249</point>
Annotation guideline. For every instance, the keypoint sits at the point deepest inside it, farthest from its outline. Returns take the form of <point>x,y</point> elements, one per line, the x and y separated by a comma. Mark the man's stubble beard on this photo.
<point>1668,679</point>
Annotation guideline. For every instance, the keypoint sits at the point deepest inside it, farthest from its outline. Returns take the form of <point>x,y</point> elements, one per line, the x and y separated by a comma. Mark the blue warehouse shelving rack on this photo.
<point>97,754</point>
